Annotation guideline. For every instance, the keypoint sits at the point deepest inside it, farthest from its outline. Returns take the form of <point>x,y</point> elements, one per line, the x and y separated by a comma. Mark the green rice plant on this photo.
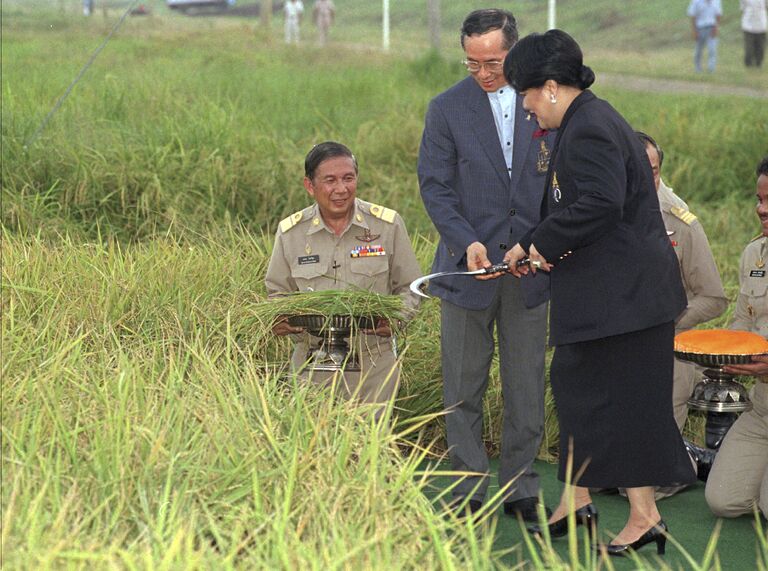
<point>173,448</point>
<point>348,302</point>
<point>130,292</point>
<point>148,421</point>
<point>127,442</point>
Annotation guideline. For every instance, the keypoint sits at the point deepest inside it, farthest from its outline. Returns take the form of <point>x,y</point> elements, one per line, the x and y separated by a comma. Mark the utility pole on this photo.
<point>266,13</point>
<point>385,25</point>
<point>551,19</point>
<point>433,16</point>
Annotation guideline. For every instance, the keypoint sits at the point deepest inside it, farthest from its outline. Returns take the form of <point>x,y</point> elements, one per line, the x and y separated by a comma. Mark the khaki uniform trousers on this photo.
<point>687,375</point>
<point>739,478</point>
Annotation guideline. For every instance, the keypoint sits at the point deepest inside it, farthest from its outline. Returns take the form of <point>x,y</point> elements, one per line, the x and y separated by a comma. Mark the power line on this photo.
<point>79,76</point>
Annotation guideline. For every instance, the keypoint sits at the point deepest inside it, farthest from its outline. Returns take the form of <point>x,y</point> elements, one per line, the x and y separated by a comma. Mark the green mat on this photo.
<point>686,513</point>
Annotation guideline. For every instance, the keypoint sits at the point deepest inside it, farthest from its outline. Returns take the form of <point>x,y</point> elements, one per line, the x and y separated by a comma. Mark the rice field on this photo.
<point>148,419</point>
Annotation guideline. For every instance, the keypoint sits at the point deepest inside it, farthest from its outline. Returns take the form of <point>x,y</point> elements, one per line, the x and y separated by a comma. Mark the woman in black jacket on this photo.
<point>615,293</point>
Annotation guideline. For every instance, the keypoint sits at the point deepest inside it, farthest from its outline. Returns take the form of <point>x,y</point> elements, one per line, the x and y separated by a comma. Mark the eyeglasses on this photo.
<point>475,66</point>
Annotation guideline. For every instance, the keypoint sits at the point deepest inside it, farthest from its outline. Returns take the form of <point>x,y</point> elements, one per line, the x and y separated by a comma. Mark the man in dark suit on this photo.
<point>482,166</point>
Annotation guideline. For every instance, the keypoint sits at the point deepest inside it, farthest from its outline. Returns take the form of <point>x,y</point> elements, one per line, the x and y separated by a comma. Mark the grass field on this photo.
<point>146,422</point>
<point>651,38</point>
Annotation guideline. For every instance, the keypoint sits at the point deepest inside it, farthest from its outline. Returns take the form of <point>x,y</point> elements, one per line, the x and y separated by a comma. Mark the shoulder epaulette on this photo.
<point>685,215</point>
<point>760,235</point>
<point>385,214</point>
<point>290,221</point>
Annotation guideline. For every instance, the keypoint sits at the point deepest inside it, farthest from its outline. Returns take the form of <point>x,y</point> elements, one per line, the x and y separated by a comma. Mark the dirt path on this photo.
<point>658,85</point>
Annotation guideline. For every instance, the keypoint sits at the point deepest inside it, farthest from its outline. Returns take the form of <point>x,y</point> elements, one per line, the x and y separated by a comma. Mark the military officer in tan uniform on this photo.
<point>343,242</point>
<point>701,279</point>
<point>739,478</point>
<point>703,289</point>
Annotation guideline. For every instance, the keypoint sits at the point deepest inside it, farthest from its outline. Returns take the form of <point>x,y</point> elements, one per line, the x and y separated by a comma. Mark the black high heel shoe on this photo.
<point>656,533</point>
<point>586,516</point>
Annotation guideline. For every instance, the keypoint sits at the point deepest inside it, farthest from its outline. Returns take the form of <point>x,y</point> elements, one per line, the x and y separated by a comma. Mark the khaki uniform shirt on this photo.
<point>701,279</point>
<point>702,283</point>
<point>751,313</point>
<point>308,256</point>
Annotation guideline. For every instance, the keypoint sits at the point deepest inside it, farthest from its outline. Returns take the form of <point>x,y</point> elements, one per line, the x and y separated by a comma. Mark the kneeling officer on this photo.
<point>342,242</point>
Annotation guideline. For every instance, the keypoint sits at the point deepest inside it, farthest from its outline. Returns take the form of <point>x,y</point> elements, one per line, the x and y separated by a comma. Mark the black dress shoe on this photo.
<point>703,457</point>
<point>585,515</point>
<point>461,507</point>
<point>527,509</point>
<point>656,533</point>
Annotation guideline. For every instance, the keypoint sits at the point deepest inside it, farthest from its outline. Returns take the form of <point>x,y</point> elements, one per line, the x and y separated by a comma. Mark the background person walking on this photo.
<point>293,11</point>
<point>323,13</point>
<point>754,23</point>
<point>705,18</point>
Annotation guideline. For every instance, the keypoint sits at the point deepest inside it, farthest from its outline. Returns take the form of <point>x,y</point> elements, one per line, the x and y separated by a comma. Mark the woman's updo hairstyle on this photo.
<point>552,55</point>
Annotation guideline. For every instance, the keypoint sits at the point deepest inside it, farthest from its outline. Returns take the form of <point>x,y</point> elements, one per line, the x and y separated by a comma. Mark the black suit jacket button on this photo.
<point>503,246</point>
<point>512,212</point>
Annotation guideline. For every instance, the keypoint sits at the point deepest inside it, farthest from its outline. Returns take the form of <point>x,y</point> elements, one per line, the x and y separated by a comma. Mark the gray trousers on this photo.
<point>467,339</point>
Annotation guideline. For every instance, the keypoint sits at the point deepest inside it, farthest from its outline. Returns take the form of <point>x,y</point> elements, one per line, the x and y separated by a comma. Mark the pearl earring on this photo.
<point>552,99</point>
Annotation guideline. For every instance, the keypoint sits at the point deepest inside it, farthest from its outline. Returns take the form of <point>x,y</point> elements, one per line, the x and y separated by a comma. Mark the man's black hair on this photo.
<point>481,22</point>
<point>762,167</point>
<point>648,140</point>
<point>322,152</point>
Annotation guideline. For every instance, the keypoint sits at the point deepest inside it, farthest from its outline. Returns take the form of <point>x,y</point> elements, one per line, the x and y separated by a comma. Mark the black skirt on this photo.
<point>614,404</point>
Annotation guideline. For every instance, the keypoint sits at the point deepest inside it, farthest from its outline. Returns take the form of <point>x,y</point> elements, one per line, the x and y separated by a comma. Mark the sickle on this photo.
<point>417,284</point>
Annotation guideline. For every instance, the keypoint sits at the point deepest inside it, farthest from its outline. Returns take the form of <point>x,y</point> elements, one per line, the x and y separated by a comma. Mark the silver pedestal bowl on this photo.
<point>718,393</point>
<point>333,353</point>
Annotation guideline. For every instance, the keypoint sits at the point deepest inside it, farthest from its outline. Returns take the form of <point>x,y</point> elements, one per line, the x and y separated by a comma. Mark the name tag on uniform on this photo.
<point>309,259</point>
<point>757,274</point>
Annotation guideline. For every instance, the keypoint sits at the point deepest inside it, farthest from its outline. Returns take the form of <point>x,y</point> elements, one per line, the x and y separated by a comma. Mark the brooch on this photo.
<point>556,194</point>
<point>542,159</point>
